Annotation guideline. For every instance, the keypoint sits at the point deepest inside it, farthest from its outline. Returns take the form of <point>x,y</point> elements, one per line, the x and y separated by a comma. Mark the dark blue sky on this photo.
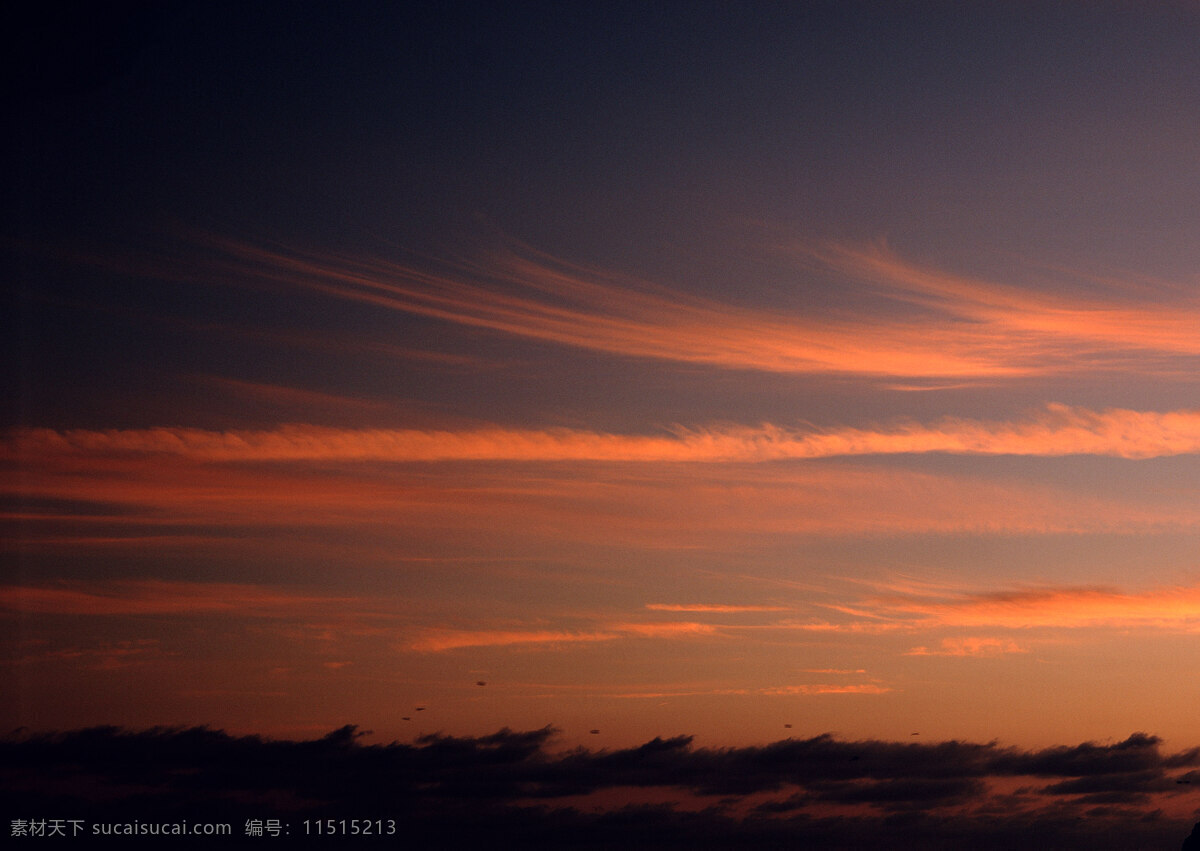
<point>646,140</point>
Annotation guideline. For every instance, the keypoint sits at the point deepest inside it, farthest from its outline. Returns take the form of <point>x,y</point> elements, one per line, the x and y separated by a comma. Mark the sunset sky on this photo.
<point>654,369</point>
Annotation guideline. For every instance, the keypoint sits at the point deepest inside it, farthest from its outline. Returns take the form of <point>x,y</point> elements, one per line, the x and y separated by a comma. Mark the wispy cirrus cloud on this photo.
<point>1056,431</point>
<point>1107,327</point>
<point>437,640</point>
<point>1174,608</point>
<point>968,329</point>
<point>717,608</point>
<point>1170,607</point>
<point>535,296</point>
<point>156,596</point>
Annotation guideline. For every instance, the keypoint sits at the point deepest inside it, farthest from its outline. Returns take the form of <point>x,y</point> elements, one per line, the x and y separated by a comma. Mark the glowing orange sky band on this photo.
<point>1058,431</point>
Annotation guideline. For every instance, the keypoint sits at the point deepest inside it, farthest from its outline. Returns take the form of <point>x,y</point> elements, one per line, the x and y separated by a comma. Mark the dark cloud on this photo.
<point>1192,843</point>
<point>1137,753</point>
<point>903,793</point>
<point>449,790</point>
<point>1183,759</point>
<point>1134,784</point>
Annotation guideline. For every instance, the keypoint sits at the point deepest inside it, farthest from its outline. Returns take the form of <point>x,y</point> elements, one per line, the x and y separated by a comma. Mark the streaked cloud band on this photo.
<point>1058,430</point>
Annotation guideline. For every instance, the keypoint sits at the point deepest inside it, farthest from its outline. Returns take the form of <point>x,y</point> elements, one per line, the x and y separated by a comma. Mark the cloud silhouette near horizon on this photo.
<point>820,789</point>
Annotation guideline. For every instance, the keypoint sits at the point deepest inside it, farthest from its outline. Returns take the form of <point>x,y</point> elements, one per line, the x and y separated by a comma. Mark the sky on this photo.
<point>741,373</point>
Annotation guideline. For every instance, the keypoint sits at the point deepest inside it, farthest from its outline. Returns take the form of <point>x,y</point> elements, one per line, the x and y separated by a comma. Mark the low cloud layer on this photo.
<point>449,789</point>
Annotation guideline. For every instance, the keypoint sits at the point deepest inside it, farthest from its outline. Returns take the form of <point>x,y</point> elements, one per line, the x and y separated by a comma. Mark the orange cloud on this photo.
<point>439,640</point>
<point>711,607</point>
<point>1059,430</point>
<point>975,646</point>
<point>436,640</point>
<point>1172,608</point>
<point>1066,607</point>
<point>1107,331</point>
<point>692,489</point>
<point>665,630</point>
<point>769,691</point>
<point>827,688</point>
<point>967,329</point>
<point>854,627</point>
<point>544,299</point>
<point>96,495</point>
<point>1035,317</point>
